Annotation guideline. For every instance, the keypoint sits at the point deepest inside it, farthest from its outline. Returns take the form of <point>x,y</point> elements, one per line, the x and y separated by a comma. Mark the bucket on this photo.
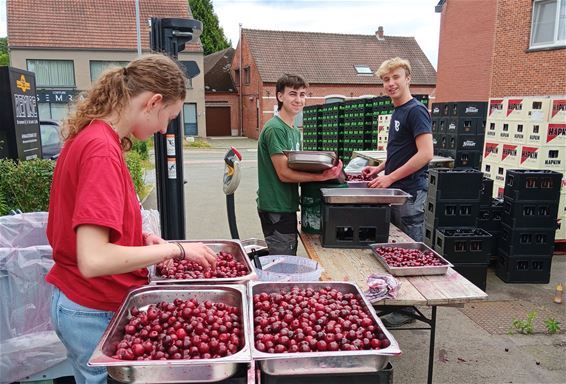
<point>288,268</point>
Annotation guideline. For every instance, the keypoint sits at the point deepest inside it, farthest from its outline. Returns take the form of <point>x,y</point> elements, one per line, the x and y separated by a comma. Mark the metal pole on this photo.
<point>241,86</point>
<point>138,33</point>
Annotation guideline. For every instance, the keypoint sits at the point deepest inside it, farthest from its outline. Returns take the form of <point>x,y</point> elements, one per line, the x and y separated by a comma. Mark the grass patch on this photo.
<point>197,143</point>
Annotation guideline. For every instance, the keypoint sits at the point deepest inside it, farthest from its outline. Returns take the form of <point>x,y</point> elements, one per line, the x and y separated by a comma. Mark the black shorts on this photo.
<point>280,232</point>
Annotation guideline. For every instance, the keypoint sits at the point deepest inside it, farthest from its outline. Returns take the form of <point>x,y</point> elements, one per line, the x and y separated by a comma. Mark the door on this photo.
<point>218,121</point>
<point>190,119</point>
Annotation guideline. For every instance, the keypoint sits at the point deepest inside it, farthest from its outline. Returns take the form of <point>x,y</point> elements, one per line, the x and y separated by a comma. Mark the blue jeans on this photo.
<point>410,216</point>
<point>79,328</point>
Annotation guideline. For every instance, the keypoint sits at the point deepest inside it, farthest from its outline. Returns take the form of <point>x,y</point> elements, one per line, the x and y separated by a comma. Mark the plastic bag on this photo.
<point>150,221</point>
<point>288,268</point>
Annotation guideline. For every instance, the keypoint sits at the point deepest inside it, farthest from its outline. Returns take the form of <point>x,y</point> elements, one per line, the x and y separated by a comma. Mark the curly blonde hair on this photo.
<point>115,88</point>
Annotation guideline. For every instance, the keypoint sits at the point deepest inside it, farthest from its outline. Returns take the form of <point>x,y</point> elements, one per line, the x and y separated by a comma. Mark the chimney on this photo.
<point>379,33</point>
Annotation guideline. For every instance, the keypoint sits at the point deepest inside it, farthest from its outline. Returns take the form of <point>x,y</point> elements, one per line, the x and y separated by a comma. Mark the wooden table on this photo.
<point>355,265</point>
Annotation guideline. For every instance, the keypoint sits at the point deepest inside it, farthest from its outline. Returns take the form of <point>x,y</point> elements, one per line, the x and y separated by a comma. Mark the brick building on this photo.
<point>501,48</point>
<point>68,43</point>
<point>221,96</point>
<point>338,67</point>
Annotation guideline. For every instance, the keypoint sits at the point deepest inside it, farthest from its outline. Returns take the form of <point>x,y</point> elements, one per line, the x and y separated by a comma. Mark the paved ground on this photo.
<point>472,341</point>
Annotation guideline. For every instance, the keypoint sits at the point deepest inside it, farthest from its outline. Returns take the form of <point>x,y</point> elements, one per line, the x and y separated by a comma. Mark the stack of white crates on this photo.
<point>526,133</point>
<point>383,131</point>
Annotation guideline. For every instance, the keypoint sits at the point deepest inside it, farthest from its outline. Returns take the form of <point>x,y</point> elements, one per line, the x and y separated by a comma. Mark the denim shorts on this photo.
<point>410,216</point>
<point>79,328</point>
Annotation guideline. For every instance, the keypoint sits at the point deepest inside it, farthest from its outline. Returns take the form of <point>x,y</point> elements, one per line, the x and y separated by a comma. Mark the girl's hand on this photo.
<point>152,239</point>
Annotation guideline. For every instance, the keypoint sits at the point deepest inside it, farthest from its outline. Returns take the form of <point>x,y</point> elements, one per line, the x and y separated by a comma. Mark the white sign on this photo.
<point>171,168</point>
<point>170,138</point>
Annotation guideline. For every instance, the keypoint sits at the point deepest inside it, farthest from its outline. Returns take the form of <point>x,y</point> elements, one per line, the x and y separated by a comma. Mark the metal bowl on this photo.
<point>172,371</point>
<point>314,363</point>
<point>230,246</point>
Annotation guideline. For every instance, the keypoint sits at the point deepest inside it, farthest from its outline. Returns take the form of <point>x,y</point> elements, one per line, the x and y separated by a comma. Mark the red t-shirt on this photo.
<point>92,185</point>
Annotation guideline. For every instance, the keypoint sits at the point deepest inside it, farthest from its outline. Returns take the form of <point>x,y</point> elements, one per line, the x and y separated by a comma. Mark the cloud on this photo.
<point>414,18</point>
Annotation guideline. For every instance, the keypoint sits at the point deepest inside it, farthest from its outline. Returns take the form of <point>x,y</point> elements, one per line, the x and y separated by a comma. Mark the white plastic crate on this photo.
<point>556,134</point>
<point>519,132</point>
<point>516,108</point>
<point>561,231</point>
<point>491,151</point>
<point>497,108</point>
<point>538,108</point>
<point>492,127</point>
<point>536,133</point>
<point>558,110</point>
<point>510,154</point>
<point>504,131</point>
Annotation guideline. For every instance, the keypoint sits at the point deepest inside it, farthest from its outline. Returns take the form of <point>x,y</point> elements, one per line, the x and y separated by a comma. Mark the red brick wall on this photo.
<point>230,99</point>
<point>467,29</point>
<point>517,72</point>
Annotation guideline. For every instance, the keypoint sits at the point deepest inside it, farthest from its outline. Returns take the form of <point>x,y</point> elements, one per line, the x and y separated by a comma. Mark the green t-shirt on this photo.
<point>272,194</point>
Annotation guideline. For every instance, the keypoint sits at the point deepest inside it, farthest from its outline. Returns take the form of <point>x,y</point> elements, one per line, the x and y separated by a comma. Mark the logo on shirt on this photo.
<point>397,125</point>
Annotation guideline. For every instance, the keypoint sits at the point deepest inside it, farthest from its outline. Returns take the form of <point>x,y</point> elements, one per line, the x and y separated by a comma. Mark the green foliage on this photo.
<point>4,56</point>
<point>3,205</point>
<point>212,37</point>
<point>134,163</point>
<point>525,327</point>
<point>552,326</point>
<point>26,185</point>
<point>141,147</point>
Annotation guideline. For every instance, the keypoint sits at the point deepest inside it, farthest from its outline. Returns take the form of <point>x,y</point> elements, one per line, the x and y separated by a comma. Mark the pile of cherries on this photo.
<point>358,177</point>
<point>226,266</point>
<point>314,320</point>
<point>183,329</point>
<point>402,257</point>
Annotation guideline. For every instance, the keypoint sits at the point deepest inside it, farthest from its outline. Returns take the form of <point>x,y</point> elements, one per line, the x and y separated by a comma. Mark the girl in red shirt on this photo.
<point>94,225</point>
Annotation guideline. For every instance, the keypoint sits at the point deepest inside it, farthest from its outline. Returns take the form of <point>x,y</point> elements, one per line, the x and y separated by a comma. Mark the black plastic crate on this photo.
<point>429,235</point>
<point>469,143</point>
<point>354,226</point>
<point>524,269</point>
<point>437,109</point>
<point>463,126</point>
<point>491,217</point>
<point>448,183</point>
<point>464,159</point>
<point>533,213</point>
<point>495,240</point>
<point>464,245</point>
<point>476,109</point>
<point>384,376</point>
<point>486,192</point>
<point>452,214</point>
<point>526,184</point>
<point>534,241</point>
<point>476,273</point>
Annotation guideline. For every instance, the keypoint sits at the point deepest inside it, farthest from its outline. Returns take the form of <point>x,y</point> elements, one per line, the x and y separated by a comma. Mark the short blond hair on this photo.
<point>392,64</point>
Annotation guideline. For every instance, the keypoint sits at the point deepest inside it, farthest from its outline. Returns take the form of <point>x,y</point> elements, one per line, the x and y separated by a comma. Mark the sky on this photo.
<point>414,18</point>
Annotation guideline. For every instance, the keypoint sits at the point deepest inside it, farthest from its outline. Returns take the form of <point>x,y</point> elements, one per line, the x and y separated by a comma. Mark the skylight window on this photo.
<point>363,70</point>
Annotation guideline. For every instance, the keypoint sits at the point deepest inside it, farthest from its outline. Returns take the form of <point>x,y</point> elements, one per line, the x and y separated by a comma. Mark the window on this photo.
<point>334,99</point>
<point>97,67</point>
<point>237,77</point>
<point>548,28</point>
<point>190,119</point>
<point>246,75</point>
<point>363,70</point>
<point>188,67</point>
<point>53,73</point>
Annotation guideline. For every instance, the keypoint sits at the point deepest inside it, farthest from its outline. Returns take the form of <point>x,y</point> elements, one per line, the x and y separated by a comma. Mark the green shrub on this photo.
<point>134,162</point>
<point>141,147</point>
<point>3,205</point>
<point>26,185</point>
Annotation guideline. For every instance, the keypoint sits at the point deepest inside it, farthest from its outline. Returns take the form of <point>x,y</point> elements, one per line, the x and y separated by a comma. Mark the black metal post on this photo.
<point>169,36</point>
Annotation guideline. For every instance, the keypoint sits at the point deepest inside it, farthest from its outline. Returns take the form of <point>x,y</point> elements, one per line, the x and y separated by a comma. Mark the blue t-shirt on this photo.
<point>407,122</point>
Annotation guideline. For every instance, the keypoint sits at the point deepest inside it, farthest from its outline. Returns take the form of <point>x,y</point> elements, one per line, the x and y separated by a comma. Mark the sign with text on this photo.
<point>19,119</point>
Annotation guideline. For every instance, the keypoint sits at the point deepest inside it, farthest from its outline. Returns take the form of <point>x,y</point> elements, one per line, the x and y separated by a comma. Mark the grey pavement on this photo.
<point>468,350</point>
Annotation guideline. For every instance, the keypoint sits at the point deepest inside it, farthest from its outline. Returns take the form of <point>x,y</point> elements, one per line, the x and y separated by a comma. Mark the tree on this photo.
<point>4,57</point>
<point>212,37</point>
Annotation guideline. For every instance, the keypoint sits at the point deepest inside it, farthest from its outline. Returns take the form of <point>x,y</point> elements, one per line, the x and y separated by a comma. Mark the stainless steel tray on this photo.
<point>357,184</point>
<point>312,363</point>
<point>311,161</point>
<point>364,196</point>
<point>411,271</point>
<point>232,246</point>
<point>172,371</point>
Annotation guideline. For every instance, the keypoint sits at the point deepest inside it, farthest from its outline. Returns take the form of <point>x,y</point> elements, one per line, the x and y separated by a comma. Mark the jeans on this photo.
<point>410,217</point>
<point>79,328</point>
<point>280,232</point>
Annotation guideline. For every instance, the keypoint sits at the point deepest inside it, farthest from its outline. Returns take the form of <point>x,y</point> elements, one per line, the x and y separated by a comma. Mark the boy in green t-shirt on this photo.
<point>278,190</point>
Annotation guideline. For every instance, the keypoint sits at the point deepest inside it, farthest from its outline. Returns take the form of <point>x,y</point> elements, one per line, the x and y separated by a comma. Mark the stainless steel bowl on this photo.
<point>231,246</point>
<point>172,371</point>
<point>313,363</point>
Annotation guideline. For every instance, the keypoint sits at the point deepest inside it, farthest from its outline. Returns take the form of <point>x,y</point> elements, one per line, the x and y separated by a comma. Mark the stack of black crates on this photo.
<point>451,211</point>
<point>490,214</point>
<point>347,126</point>
<point>458,131</point>
<point>530,207</point>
